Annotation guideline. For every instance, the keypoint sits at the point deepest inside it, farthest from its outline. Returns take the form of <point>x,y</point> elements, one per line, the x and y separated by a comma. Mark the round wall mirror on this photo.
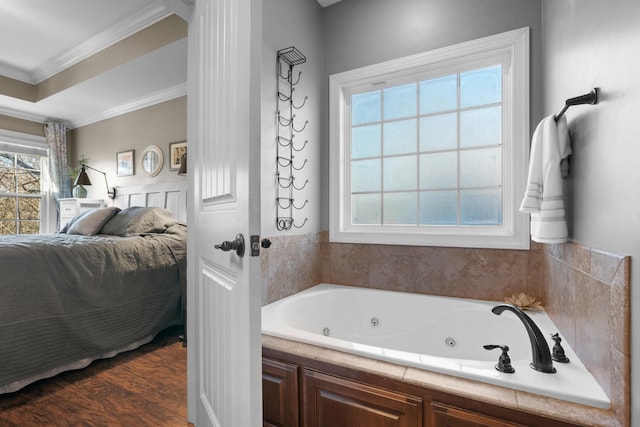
<point>151,160</point>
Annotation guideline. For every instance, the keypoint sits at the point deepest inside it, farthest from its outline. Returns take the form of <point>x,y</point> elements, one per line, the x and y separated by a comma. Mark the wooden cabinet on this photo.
<point>280,407</point>
<point>303,392</point>
<point>71,207</point>
<point>443,415</point>
<point>330,401</point>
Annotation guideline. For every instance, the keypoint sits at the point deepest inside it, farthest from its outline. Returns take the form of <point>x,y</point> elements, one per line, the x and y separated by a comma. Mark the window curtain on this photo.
<point>56,134</point>
<point>57,177</point>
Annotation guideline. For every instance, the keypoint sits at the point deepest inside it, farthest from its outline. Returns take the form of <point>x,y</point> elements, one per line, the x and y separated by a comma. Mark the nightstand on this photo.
<point>72,207</point>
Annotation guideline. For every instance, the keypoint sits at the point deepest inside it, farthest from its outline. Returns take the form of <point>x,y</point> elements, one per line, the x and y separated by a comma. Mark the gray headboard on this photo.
<point>171,196</point>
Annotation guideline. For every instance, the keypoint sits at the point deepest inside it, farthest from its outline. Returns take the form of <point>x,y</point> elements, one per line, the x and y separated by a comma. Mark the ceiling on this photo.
<point>41,38</point>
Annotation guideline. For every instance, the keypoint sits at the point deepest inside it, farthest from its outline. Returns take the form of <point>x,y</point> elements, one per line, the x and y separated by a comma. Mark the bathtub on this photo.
<point>439,334</point>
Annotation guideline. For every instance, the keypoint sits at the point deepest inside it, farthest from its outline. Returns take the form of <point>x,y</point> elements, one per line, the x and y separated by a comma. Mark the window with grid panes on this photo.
<point>432,149</point>
<point>20,193</point>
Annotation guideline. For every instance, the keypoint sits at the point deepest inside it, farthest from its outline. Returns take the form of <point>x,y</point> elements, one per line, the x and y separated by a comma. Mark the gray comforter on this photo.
<point>65,298</point>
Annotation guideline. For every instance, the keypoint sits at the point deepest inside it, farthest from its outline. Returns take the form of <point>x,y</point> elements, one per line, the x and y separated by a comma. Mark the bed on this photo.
<point>107,283</point>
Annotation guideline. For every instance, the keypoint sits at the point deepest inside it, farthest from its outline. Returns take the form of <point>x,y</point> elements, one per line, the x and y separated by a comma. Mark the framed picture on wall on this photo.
<point>176,150</point>
<point>125,163</point>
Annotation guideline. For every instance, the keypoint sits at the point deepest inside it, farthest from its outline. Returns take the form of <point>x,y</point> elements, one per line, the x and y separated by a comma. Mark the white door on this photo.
<point>224,294</point>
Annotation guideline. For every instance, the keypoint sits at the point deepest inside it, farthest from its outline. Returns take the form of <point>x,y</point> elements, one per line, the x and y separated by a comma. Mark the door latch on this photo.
<point>255,245</point>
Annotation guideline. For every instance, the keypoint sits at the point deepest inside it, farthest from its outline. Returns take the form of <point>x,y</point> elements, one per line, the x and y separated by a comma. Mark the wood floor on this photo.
<point>143,387</point>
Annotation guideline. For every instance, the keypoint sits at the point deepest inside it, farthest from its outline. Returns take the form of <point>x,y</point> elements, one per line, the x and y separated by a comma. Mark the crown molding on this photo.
<point>15,73</point>
<point>20,138</point>
<point>146,101</point>
<point>123,29</point>
<point>17,114</point>
<point>325,3</point>
<point>183,8</point>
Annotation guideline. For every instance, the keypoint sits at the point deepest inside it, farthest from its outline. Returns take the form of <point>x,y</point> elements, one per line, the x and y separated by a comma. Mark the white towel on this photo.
<point>543,198</point>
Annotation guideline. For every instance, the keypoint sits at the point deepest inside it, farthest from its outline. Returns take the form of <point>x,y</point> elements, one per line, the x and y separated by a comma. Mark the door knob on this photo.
<point>236,245</point>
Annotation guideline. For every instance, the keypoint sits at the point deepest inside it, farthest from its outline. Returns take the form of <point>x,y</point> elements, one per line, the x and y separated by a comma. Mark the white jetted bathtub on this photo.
<point>440,334</point>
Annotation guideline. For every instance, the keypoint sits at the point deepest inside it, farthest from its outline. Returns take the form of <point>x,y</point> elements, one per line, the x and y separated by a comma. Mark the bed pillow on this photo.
<point>68,225</point>
<point>139,220</point>
<point>91,222</point>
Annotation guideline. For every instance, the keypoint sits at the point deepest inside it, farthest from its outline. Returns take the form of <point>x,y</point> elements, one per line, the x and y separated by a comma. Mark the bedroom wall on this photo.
<point>20,125</point>
<point>99,142</point>
<point>592,43</point>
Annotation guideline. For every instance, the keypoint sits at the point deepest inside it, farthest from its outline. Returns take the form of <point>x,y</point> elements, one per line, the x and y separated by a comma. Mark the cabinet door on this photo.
<point>449,416</point>
<point>68,207</point>
<point>279,394</point>
<point>88,204</point>
<point>330,401</point>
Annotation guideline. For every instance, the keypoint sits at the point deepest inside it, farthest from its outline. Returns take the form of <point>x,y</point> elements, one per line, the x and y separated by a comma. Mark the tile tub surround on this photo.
<point>290,265</point>
<point>588,297</point>
<point>584,290</point>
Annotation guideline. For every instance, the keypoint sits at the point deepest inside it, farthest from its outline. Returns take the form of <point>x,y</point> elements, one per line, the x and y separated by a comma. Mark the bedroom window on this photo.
<point>20,193</point>
<point>432,149</point>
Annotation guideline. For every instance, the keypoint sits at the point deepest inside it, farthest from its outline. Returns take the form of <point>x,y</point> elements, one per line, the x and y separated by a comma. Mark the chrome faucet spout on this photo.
<point>539,348</point>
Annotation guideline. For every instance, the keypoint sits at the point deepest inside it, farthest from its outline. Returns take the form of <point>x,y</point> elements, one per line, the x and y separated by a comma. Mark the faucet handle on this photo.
<point>493,346</point>
<point>504,362</point>
<point>557,353</point>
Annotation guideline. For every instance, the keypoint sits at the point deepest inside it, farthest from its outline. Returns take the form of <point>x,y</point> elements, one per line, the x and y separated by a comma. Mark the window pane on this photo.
<point>439,170</point>
<point>481,127</point>
<point>400,208</point>
<point>29,227</point>
<point>28,181</point>
<point>439,94</point>
<point>365,175</point>
<point>29,208</point>
<point>439,132</point>
<point>7,160</point>
<point>7,180</point>
<point>26,161</point>
<point>480,87</point>
<point>365,209</point>
<point>439,208</point>
<point>400,101</point>
<point>365,108</point>
<point>400,173</point>
<point>480,207</point>
<point>400,137</point>
<point>481,168</point>
<point>7,208</point>
<point>8,227</point>
<point>365,141</point>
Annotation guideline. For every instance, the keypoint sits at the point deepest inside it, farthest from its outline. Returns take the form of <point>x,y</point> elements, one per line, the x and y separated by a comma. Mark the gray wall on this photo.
<point>293,23</point>
<point>594,43</point>
<point>365,32</point>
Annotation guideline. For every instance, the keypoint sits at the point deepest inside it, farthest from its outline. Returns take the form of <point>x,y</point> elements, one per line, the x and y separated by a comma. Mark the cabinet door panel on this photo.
<point>330,401</point>
<point>279,394</point>
<point>449,416</point>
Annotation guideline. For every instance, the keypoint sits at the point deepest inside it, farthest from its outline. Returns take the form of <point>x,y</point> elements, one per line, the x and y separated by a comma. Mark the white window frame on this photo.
<point>512,50</point>
<point>22,143</point>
